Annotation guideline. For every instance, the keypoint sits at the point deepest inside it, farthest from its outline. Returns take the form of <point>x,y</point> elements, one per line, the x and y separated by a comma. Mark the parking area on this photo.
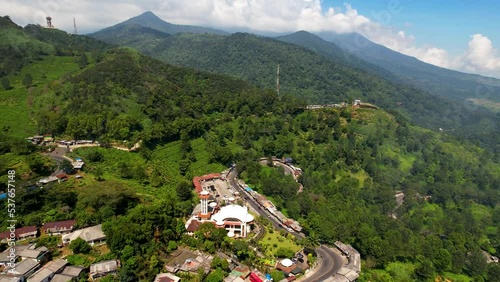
<point>223,189</point>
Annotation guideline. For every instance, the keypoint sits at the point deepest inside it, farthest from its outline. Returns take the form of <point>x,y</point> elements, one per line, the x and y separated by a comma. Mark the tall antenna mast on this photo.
<point>278,81</point>
<point>75,31</point>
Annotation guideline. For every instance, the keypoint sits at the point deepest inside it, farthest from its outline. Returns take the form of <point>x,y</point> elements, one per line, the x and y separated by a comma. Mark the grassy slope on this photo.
<point>15,103</point>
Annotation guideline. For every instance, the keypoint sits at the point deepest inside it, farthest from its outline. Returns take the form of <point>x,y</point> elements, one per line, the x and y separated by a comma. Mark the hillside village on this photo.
<point>221,205</point>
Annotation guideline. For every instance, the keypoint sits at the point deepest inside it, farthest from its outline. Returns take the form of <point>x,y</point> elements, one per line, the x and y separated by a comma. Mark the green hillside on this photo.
<point>18,48</point>
<point>436,80</point>
<point>332,76</point>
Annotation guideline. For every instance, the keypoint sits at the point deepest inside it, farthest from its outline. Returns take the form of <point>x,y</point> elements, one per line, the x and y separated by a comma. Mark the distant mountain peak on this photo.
<point>151,20</point>
<point>148,15</point>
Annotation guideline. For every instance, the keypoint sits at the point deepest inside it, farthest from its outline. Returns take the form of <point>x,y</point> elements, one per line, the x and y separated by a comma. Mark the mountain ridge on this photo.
<point>437,80</point>
<point>150,20</point>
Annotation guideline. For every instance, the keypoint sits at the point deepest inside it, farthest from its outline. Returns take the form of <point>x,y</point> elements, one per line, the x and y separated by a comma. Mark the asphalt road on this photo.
<point>330,261</point>
<point>233,182</point>
<point>330,264</point>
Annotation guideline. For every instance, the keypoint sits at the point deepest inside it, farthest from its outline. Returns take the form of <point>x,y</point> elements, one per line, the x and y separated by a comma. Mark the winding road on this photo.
<point>329,261</point>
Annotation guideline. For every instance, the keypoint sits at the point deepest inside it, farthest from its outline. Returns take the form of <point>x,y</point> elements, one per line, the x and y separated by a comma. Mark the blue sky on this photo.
<point>447,24</point>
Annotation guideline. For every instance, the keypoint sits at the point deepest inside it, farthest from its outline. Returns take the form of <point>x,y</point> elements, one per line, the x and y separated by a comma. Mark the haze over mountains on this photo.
<point>320,71</point>
<point>351,48</point>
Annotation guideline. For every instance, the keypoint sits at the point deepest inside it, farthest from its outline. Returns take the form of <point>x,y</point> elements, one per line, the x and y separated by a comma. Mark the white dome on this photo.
<point>212,204</point>
<point>230,234</point>
<point>204,193</point>
<point>231,199</point>
<point>286,262</point>
<point>233,211</point>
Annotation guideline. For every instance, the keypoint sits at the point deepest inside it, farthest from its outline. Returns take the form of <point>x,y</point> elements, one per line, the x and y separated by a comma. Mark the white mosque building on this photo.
<point>234,218</point>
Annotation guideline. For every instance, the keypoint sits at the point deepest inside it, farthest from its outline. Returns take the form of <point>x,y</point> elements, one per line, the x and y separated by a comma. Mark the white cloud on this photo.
<point>481,57</point>
<point>258,15</point>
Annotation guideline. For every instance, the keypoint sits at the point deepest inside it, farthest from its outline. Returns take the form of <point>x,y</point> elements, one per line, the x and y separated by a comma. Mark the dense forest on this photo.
<point>191,122</point>
<point>317,74</point>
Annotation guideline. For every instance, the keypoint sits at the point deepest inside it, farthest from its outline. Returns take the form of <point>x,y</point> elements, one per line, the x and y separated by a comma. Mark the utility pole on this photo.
<point>75,31</point>
<point>278,81</point>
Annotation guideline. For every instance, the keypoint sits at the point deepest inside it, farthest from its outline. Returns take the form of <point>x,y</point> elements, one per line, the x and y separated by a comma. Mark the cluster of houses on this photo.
<point>92,235</point>
<point>40,139</point>
<point>27,262</point>
<point>77,165</point>
<point>47,139</point>
<point>184,261</point>
<point>33,266</point>
<point>75,142</point>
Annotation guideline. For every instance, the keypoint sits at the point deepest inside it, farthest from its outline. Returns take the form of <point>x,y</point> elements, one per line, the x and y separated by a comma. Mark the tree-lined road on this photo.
<point>330,262</point>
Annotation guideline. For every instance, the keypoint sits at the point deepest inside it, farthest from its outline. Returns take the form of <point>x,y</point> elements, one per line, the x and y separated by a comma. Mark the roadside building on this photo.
<point>234,218</point>
<point>197,181</point>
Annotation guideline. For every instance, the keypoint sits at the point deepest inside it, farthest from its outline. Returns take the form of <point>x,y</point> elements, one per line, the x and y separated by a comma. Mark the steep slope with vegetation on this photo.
<point>132,35</point>
<point>327,77</point>
<point>436,80</point>
<point>18,48</point>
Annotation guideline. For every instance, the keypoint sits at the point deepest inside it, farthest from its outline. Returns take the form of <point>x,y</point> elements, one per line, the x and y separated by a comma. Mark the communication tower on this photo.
<point>75,31</point>
<point>49,22</point>
<point>278,81</point>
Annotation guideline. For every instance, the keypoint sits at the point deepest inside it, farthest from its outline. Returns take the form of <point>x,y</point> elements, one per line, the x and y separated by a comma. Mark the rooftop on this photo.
<point>73,271</point>
<point>59,225</point>
<point>166,277</point>
<point>88,234</point>
<point>233,211</point>
<point>41,275</point>
<point>61,278</point>
<point>56,265</point>
<point>25,266</point>
<point>198,179</point>
<point>104,267</point>
<point>27,253</point>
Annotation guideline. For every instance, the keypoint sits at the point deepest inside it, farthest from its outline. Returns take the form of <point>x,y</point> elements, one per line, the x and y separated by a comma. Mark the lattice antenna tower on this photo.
<point>75,31</point>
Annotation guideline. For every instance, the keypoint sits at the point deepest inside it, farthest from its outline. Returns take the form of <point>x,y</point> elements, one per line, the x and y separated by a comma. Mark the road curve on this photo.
<point>329,261</point>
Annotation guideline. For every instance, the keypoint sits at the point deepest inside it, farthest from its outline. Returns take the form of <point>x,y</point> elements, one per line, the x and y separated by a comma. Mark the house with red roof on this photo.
<point>21,233</point>
<point>58,227</point>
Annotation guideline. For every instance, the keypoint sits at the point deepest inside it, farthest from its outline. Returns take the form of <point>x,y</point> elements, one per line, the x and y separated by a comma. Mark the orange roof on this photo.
<point>198,179</point>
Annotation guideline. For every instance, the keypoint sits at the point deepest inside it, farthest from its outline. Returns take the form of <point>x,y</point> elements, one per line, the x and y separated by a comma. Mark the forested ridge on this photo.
<point>193,122</point>
<point>317,76</point>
